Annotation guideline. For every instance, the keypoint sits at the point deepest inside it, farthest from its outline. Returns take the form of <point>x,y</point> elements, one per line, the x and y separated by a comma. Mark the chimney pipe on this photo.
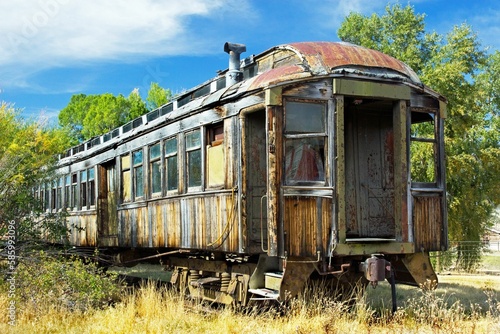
<point>234,74</point>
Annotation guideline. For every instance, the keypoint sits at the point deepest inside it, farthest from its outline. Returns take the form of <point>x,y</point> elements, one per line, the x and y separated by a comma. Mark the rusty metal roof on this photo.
<point>323,58</point>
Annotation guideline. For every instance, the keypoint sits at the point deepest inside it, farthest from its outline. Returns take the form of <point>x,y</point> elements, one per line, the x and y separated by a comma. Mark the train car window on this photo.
<point>138,174</point>
<point>67,191</point>
<point>91,194</point>
<point>423,148</point>
<point>193,158</point>
<point>74,192</point>
<point>215,155</point>
<point>171,167</point>
<point>46,196</point>
<point>83,189</point>
<point>59,193</point>
<point>155,168</point>
<point>126,179</point>
<point>53,195</point>
<point>305,140</point>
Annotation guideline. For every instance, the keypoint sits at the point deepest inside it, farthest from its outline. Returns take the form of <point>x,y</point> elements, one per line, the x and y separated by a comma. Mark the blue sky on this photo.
<point>52,49</point>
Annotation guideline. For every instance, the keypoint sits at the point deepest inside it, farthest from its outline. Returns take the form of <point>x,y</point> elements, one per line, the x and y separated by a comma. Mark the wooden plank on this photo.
<point>341,172</point>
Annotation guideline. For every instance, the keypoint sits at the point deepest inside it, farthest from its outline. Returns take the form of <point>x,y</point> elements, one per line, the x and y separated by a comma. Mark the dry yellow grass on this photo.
<point>149,310</point>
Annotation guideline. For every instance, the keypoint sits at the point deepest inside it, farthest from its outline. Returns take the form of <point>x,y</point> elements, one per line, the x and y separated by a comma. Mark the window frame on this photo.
<point>152,161</point>
<point>83,189</point>
<point>423,140</point>
<point>136,167</point>
<point>91,187</point>
<point>215,138</point>
<point>294,135</point>
<point>123,191</point>
<point>189,152</point>
<point>167,156</point>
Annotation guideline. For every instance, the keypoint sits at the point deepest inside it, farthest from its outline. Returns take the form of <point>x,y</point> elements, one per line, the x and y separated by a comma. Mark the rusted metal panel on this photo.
<point>428,222</point>
<point>280,74</point>
<point>324,56</point>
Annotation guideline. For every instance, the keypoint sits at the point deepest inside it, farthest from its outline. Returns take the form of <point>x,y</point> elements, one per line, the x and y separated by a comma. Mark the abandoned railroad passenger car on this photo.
<point>290,165</point>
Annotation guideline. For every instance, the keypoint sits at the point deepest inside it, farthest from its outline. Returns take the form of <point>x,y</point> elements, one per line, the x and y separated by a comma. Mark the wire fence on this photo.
<point>465,255</point>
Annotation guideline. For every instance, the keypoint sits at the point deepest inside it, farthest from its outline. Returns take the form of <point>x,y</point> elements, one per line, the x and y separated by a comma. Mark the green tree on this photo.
<point>457,67</point>
<point>27,152</point>
<point>105,113</point>
<point>137,104</point>
<point>157,96</point>
<point>87,116</point>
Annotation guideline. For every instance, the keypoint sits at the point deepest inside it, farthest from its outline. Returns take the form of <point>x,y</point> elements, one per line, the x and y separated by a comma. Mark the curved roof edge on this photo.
<point>323,57</point>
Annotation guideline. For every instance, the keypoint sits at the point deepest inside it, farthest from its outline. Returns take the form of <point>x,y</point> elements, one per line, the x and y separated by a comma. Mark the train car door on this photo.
<point>369,154</point>
<point>254,166</point>
<point>107,205</point>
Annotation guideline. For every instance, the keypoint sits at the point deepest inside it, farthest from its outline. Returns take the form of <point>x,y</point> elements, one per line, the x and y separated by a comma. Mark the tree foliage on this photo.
<point>157,96</point>
<point>87,116</point>
<point>456,66</point>
<point>27,152</point>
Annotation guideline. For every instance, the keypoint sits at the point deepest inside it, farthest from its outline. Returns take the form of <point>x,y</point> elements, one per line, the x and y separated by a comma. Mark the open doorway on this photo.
<point>369,165</point>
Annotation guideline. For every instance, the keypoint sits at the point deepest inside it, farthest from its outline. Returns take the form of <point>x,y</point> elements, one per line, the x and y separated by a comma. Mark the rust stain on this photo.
<point>334,55</point>
<point>316,58</point>
<point>279,74</point>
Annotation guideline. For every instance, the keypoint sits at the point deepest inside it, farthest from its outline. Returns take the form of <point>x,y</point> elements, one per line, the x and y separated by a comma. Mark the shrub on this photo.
<point>51,281</point>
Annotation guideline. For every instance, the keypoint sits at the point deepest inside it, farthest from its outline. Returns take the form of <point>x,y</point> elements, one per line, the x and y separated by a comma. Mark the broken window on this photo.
<point>423,148</point>
<point>193,158</point>
<point>305,140</point>
<point>171,164</point>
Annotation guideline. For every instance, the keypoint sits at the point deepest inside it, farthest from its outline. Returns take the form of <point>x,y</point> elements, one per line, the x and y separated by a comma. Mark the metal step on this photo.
<point>266,294</point>
<point>273,280</point>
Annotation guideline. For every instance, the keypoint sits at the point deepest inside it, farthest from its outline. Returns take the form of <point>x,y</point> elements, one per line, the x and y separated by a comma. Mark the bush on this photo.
<point>52,281</point>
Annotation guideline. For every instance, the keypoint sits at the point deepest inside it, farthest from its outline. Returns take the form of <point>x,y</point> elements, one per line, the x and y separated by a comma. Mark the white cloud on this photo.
<point>41,34</point>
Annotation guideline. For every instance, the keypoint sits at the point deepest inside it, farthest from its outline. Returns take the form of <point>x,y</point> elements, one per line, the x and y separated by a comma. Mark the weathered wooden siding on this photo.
<point>307,224</point>
<point>428,222</point>
<point>205,222</point>
<point>83,229</point>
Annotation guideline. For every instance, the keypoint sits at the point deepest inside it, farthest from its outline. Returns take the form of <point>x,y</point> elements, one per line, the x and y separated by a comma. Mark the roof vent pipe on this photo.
<point>234,74</point>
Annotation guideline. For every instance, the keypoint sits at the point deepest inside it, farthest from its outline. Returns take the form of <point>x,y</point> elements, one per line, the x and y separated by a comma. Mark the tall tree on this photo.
<point>456,66</point>
<point>27,152</point>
